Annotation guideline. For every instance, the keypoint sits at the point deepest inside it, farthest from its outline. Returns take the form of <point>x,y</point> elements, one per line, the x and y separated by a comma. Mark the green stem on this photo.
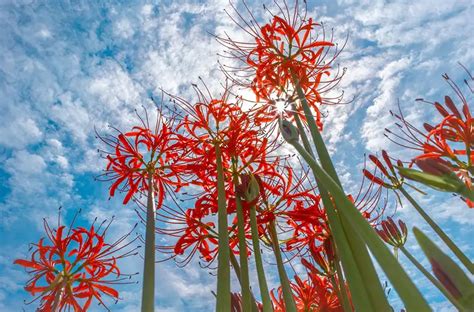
<point>363,279</point>
<point>402,283</point>
<point>346,304</point>
<point>445,238</point>
<point>358,288</point>
<point>223,301</point>
<point>235,265</point>
<point>244,267</point>
<point>431,278</point>
<point>262,281</point>
<point>302,132</point>
<point>148,292</point>
<point>285,283</point>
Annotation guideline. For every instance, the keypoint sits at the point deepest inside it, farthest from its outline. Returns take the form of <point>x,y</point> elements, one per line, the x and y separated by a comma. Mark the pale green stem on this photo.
<point>402,283</point>
<point>336,228</point>
<point>148,292</point>
<point>374,293</point>
<point>444,237</point>
<point>262,281</point>
<point>244,267</point>
<point>357,288</point>
<point>431,278</point>
<point>346,304</point>
<point>235,265</point>
<point>285,283</point>
<point>57,298</point>
<point>223,300</point>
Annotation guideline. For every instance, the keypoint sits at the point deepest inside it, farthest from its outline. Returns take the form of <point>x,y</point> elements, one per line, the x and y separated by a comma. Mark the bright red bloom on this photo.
<point>207,124</point>
<point>142,152</point>
<point>288,50</point>
<point>71,269</point>
<point>313,294</point>
<point>392,179</point>
<point>450,142</point>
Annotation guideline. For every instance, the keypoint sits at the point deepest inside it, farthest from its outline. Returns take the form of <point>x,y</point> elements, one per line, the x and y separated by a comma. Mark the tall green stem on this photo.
<point>285,283</point>
<point>402,283</point>
<point>244,267</point>
<point>431,278</point>
<point>346,304</point>
<point>445,238</point>
<point>360,295</point>
<point>262,281</point>
<point>223,300</point>
<point>368,275</point>
<point>236,266</point>
<point>148,292</point>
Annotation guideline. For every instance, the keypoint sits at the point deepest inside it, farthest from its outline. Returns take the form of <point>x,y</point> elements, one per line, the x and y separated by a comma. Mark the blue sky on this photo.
<point>69,66</point>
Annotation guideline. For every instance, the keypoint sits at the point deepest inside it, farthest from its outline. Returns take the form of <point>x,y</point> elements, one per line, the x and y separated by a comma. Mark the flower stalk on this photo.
<point>223,301</point>
<point>404,286</point>
<point>244,268</point>
<point>148,291</point>
<point>444,237</point>
<point>430,277</point>
<point>285,284</point>
<point>359,252</point>
<point>262,281</point>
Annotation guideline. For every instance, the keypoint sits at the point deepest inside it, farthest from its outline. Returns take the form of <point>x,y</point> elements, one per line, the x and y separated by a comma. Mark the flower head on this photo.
<point>287,51</point>
<point>393,234</point>
<point>315,293</point>
<point>71,268</point>
<point>449,142</point>
<point>143,153</point>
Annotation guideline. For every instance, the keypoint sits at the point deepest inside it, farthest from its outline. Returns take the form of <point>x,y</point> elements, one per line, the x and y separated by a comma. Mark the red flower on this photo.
<point>313,294</point>
<point>286,51</point>
<point>392,179</point>
<point>450,142</point>
<point>142,152</point>
<point>193,233</point>
<point>70,269</point>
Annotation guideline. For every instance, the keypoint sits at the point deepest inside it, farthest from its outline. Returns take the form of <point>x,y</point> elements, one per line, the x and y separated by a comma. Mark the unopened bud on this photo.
<point>289,132</point>
<point>248,189</point>
<point>435,166</point>
<point>450,275</point>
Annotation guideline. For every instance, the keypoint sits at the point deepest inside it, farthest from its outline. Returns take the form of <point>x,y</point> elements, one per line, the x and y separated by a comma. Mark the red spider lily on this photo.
<point>287,50</point>
<point>207,124</point>
<point>193,232</point>
<point>212,122</point>
<point>393,234</point>
<point>309,226</point>
<point>137,154</point>
<point>71,269</point>
<point>450,141</point>
<point>282,196</point>
<point>313,294</point>
<point>394,180</point>
<point>236,303</point>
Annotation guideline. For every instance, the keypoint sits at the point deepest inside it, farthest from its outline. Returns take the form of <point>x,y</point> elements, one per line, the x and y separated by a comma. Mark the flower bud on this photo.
<point>392,234</point>
<point>248,189</point>
<point>449,274</point>
<point>289,132</point>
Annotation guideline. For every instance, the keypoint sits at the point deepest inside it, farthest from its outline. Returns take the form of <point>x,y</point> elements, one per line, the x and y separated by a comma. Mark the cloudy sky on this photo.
<point>69,66</point>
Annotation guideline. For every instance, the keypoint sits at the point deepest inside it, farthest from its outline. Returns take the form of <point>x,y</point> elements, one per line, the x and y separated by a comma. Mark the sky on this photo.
<point>69,67</point>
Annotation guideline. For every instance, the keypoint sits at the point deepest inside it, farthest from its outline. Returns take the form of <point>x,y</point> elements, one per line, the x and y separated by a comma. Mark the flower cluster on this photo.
<point>142,155</point>
<point>286,52</point>
<point>315,293</point>
<point>72,267</point>
<point>448,143</point>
